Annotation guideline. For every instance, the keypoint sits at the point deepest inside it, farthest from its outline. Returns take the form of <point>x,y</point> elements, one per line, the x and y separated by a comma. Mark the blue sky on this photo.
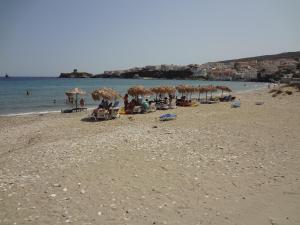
<point>46,37</point>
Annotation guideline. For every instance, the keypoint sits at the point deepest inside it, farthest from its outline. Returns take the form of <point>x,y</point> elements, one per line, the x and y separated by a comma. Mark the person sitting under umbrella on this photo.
<point>101,105</point>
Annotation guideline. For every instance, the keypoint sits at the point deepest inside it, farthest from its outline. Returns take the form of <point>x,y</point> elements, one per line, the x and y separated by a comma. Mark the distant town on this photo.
<point>261,68</point>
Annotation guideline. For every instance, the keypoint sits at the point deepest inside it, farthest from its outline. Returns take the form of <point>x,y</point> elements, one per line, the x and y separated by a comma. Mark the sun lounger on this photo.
<point>137,109</point>
<point>162,106</point>
<point>102,114</point>
<point>115,110</point>
<point>73,110</point>
<point>172,104</point>
<point>152,107</point>
<point>184,103</point>
<point>228,98</point>
<point>106,114</point>
<point>208,102</point>
<point>79,109</point>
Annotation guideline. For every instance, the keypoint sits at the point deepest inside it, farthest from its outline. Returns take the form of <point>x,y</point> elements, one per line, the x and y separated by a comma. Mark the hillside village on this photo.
<point>262,68</point>
<point>253,70</point>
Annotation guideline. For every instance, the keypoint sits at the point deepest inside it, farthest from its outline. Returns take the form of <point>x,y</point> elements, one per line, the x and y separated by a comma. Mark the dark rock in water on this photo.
<point>76,74</point>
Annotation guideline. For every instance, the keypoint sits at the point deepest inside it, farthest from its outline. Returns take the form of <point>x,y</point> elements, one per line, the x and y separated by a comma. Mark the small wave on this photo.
<point>28,113</point>
<point>36,113</point>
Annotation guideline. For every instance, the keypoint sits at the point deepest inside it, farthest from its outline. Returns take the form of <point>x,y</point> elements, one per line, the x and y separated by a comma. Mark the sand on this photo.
<point>213,165</point>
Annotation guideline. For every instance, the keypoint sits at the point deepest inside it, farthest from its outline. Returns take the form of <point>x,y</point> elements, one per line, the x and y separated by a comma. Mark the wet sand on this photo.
<point>213,165</point>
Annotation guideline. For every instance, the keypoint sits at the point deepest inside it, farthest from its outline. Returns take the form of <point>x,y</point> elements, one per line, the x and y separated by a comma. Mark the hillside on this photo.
<point>284,55</point>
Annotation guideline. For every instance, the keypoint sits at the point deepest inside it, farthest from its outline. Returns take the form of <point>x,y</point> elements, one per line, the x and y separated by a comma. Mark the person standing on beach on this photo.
<point>81,102</point>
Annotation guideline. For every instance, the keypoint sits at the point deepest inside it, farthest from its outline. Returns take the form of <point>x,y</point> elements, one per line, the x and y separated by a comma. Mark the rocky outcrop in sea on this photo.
<point>76,74</point>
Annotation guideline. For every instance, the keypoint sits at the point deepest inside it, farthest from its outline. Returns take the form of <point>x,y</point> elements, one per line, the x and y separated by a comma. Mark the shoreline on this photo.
<point>90,108</point>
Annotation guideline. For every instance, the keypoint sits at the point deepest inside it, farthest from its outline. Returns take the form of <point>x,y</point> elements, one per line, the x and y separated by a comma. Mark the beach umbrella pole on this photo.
<point>76,100</point>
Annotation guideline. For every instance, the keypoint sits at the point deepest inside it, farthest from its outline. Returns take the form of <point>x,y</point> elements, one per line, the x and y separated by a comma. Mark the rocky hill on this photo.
<point>76,74</point>
<point>284,55</point>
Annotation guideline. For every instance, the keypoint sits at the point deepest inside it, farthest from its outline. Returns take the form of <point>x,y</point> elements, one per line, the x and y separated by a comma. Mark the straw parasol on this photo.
<point>75,91</point>
<point>105,93</point>
<point>135,91</point>
<point>200,90</point>
<point>209,88</point>
<point>170,90</point>
<point>163,90</point>
<point>186,89</point>
<point>182,88</point>
<point>223,88</point>
<point>148,92</point>
<point>212,89</point>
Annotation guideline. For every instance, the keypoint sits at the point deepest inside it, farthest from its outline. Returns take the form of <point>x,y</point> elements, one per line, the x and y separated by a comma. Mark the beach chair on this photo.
<point>137,109</point>
<point>172,104</point>
<point>228,98</point>
<point>115,110</point>
<point>162,106</point>
<point>152,107</point>
<point>102,114</point>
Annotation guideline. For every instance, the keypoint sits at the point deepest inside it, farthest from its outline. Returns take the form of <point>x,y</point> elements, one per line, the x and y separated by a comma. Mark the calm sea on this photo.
<point>13,98</point>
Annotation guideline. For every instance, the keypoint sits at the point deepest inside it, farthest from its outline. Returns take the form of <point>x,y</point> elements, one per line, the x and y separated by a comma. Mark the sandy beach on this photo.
<point>213,165</point>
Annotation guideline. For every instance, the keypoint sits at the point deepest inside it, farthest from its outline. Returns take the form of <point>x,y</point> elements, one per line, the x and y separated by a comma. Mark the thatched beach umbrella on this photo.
<point>76,92</point>
<point>105,93</point>
<point>186,89</point>
<point>163,90</point>
<point>148,92</point>
<point>135,91</point>
<point>209,88</point>
<point>191,90</point>
<point>170,90</point>
<point>200,90</point>
<point>156,91</point>
<point>212,89</point>
<point>224,88</point>
<point>182,89</point>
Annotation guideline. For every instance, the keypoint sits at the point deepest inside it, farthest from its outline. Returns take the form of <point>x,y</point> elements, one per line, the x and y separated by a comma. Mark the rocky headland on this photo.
<point>76,74</point>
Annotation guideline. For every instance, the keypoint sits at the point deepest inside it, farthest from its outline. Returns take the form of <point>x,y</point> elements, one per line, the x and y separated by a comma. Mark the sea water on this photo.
<point>48,94</point>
